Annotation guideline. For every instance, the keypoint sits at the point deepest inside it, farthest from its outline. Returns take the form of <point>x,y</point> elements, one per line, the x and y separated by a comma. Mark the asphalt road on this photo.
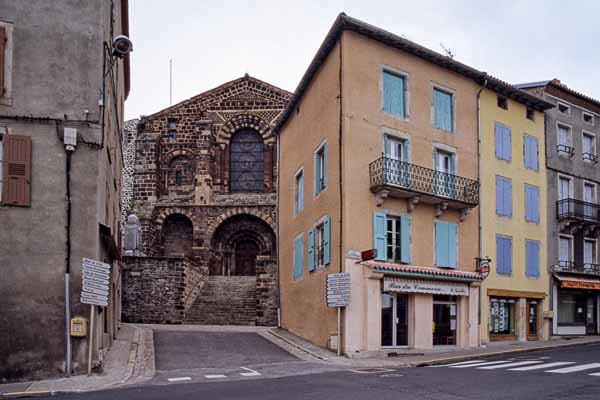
<point>564,374</point>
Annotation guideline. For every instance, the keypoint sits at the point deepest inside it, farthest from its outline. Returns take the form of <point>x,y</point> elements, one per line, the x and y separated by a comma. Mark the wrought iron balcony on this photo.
<point>572,268</point>
<point>566,150</point>
<point>572,209</point>
<point>590,157</point>
<point>403,179</point>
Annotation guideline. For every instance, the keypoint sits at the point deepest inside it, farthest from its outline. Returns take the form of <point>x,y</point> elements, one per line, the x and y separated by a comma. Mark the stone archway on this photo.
<point>177,236</point>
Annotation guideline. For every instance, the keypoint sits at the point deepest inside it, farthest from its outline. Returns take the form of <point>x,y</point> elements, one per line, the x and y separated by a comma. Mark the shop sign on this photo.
<point>580,285</point>
<point>418,286</point>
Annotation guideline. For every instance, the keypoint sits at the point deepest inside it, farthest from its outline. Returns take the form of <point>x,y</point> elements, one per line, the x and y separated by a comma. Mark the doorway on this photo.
<point>590,326</point>
<point>532,319</point>
<point>444,320</point>
<point>394,320</point>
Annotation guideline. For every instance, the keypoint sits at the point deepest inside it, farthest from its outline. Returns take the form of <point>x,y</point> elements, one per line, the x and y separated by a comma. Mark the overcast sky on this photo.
<point>212,42</point>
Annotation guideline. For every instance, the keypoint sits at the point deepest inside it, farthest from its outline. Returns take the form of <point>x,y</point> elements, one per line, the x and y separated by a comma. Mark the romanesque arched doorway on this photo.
<point>177,236</point>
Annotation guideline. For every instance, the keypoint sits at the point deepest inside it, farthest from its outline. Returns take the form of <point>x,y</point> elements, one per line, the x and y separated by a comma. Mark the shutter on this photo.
<point>326,240</point>
<point>501,261</point>
<point>532,259</point>
<point>298,247</point>
<point>535,199</point>
<point>447,115</point>
<point>16,182</point>
<point>324,161</point>
<point>499,196</point>
<point>317,171</point>
<point>499,147</point>
<point>506,143</point>
<point>2,59</point>
<point>528,204</point>
<point>507,197</point>
<point>393,94</point>
<point>527,151</point>
<point>379,242</point>
<point>534,154</point>
<point>301,192</point>
<point>311,250</point>
<point>405,240</point>
<point>437,109</point>
<point>452,244</point>
<point>441,244</point>
<point>508,254</point>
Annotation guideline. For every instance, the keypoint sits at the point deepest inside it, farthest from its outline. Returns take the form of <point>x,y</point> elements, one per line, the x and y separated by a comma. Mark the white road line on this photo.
<point>543,366</point>
<point>458,363</point>
<point>576,368</point>
<point>250,373</point>
<point>513,364</point>
<point>215,376</point>
<point>481,364</point>
<point>595,374</point>
<point>182,378</point>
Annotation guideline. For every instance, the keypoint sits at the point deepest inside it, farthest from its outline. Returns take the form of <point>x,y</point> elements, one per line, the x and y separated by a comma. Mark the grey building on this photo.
<point>61,82</point>
<point>573,173</point>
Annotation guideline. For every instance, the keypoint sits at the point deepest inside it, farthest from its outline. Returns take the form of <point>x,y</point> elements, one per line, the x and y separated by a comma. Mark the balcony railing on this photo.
<point>388,173</point>
<point>564,149</point>
<point>590,157</point>
<point>578,210</point>
<point>571,267</point>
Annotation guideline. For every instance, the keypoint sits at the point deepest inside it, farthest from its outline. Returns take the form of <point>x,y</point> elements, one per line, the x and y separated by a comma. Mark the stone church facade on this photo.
<point>203,187</point>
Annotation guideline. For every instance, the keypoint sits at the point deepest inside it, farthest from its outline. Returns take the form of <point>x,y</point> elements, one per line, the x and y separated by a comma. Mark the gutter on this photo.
<point>480,209</point>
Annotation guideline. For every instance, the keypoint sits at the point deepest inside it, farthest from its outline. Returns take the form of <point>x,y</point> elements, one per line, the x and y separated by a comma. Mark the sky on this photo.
<point>213,42</point>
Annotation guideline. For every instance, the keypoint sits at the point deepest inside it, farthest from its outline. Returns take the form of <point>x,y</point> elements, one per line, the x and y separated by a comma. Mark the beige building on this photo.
<point>378,149</point>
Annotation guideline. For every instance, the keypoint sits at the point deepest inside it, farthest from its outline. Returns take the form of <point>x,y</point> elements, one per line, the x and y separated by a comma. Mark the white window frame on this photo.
<point>396,135</point>
<point>452,92</point>
<point>584,114</point>
<point>558,142</point>
<point>318,253</point>
<point>593,184</point>
<point>571,187</point>
<point>595,249</point>
<point>299,172</point>
<point>571,245</point>
<point>593,136</point>
<point>396,245</point>
<point>402,74</point>
<point>7,98</point>
<point>559,104</point>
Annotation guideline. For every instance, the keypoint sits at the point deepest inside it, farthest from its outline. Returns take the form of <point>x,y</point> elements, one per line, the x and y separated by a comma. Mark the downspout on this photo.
<point>341,312</point>
<point>68,152</point>
<point>277,231</point>
<point>485,81</point>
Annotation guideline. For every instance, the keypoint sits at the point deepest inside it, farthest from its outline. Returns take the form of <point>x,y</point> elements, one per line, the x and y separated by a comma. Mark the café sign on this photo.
<point>423,286</point>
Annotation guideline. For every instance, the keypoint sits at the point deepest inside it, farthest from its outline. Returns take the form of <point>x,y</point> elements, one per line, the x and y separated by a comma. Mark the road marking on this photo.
<point>250,373</point>
<point>481,364</point>
<point>513,364</point>
<point>576,368</point>
<point>543,366</point>
<point>371,370</point>
<point>181,378</point>
<point>215,376</point>
<point>458,363</point>
<point>595,374</point>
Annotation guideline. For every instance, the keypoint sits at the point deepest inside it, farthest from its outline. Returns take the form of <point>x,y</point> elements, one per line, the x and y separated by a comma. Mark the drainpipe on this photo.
<point>69,151</point>
<point>485,81</point>
<point>277,171</point>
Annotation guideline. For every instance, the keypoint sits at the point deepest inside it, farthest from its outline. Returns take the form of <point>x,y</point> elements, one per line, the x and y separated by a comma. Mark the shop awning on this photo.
<point>571,282</point>
<point>416,271</point>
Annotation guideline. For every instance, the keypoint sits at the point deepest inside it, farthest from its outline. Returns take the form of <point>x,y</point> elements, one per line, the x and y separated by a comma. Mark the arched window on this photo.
<point>181,172</point>
<point>246,168</point>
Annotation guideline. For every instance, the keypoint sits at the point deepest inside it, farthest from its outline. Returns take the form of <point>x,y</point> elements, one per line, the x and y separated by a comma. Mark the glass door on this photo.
<point>590,326</point>
<point>444,178</point>
<point>532,320</point>
<point>564,192</point>
<point>589,196</point>
<point>394,320</point>
<point>396,153</point>
<point>444,322</point>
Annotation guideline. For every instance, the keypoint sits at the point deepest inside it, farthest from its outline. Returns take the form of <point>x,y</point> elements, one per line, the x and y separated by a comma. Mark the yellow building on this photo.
<point>513,219</point>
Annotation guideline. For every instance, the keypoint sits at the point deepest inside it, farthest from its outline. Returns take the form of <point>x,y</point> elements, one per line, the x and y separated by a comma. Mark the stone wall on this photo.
<point>267,295</point>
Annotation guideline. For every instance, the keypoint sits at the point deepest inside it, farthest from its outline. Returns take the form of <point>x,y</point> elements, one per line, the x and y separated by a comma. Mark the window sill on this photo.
<point>397,117</point>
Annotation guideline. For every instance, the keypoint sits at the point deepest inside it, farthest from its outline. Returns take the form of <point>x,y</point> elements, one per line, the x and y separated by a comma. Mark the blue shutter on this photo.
<point>499,146</point>
<point>507,201</point>
<point>298,250</point>
<point>441,244</point>
<point>301,192</point>
<point>379,228</point>
<point>499,255</point>
<point>324,161</point>
<point>393,94</point>
<point>527,151</point>
<point>532,204</point>
<point>452,244</point>
<point>508,255</point>
<point>442,110</point>
<point>499,196</point>
<point>534,153</point>
<point>405,240</point>
<point>503,255</point>
<point>532,259</point>
<point>311,250</point>
<point>506,143</point>
<point>326,240</point>
<point>317,172</point>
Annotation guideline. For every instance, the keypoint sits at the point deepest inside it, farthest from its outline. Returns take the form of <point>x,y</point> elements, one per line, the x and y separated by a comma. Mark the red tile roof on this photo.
<point>419,270</point>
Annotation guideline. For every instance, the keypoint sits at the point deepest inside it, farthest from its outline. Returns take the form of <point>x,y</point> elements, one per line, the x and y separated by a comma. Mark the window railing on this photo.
<point>590,157</point>
<point>571,267</point>
<point>564,149</point>
<point>391,173</point>
<point>577,209</point>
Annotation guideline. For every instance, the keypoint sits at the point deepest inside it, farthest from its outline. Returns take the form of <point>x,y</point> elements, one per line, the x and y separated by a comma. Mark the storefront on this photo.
<point>515,315</point>
<point>407,307</point>
<point>576,305</point>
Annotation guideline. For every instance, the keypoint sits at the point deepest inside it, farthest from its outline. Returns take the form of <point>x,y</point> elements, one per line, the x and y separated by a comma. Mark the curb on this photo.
<point>297,346</point>
<point>20,395</point>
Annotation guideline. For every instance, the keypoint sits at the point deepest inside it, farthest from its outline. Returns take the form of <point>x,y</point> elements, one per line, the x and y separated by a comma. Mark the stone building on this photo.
<point>204,190</point>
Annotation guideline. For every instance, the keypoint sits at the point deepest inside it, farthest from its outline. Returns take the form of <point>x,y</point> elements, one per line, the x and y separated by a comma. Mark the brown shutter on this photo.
<point>16,182</point>
<point>2,51</point>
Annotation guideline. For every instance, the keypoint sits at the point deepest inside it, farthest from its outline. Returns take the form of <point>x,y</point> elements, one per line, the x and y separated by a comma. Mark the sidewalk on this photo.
<point>130,360</point>
<point>413,358</point>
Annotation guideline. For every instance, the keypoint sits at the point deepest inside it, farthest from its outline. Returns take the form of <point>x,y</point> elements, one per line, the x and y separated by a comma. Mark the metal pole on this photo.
<point>170,82</point>
<point>91,339</point>
<point>339,343</point>
<point>67,327</point>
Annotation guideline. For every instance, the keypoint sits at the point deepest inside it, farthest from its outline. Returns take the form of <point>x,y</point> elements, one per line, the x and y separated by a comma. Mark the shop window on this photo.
<point>571,308</point>
<point>502,317</point>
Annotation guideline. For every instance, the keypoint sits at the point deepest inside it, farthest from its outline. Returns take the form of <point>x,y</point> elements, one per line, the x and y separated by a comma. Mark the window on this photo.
<point>503,196</point>
<point>589,147</point>
<point>442,110</point>
<point>391,237</point>
<point>565,251</point>
<point>503,255</point>
<point>565,141</point>
<point>530,152</point>
<point>394,93</point>
<point>16,157</point>
<point>172,128</point>
<point>589,197</point>
<point>532,259</point>
<point>246,162</point>
<point>321,169</point>
<point>6,49</point>
<point>445,182</point>
<point>588,118</point>
<point>502,102</point>
<point>318,244</point>
<point>571,307</point>
<point>502,316</point>
<point>564,188</point>
<point>532,204</point>
<point>564,109</point>
<point>502,142</point>
<point>298,252</point>
<point>299,192</point>
<point>445,244</point>
<point>589,254</point>
<point>530,114</point>
<point>396,151</point>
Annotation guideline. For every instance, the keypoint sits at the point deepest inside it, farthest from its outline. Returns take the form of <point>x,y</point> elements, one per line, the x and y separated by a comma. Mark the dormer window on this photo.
<point>588,118</point>
<point>502,102</point>
<point>564,109</point>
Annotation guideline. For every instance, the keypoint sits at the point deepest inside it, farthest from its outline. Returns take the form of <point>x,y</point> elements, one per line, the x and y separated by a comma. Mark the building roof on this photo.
<point>419,271</point>
<point>346,23</point>
<point>554,85</point>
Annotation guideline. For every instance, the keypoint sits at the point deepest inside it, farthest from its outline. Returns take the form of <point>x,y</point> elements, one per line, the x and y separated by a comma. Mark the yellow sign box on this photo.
<point>78,327</point>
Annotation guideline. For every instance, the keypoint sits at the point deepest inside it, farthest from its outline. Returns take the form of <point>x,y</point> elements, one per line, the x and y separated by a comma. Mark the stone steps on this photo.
<point>225,300</point>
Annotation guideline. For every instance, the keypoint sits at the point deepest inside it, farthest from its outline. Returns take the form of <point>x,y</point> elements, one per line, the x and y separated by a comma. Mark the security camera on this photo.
<point>122,46</point>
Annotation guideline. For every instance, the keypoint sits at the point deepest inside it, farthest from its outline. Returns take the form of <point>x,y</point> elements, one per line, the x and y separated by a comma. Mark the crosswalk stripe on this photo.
<point>458,363</point>
<point>512,364</point>
<point>595,374</point>
<point>215,376</point>
<point>481,364</point>
<point>543,366</point>
<point>575,368</point>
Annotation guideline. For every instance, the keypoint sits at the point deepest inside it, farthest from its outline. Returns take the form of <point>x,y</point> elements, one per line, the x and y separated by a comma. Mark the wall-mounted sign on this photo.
<point>367,255</point>
<point>420,286</point>
<point>338,290</point>
<point>95,282</point>
<point>580,285</point>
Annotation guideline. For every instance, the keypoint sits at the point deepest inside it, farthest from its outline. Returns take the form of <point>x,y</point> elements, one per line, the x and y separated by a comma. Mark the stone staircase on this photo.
<point>225,300</point>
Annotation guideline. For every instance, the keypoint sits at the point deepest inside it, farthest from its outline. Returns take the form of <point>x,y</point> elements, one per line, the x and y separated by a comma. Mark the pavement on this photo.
<point>163,355</point>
